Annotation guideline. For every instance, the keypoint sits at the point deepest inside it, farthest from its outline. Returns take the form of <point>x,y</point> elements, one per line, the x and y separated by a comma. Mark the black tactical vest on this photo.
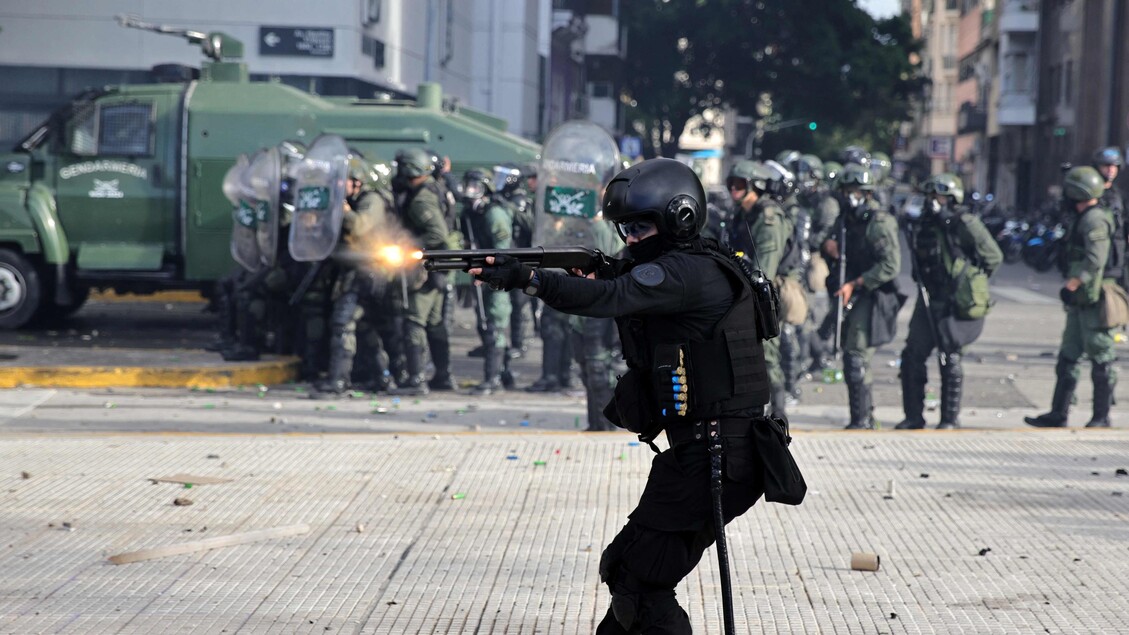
<point>726,371</point>
<point>860,257</point>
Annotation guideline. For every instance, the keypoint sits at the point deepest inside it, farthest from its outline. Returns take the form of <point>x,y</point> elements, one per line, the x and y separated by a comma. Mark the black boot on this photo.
<point>913,397</point>
<point>1065,383</point>
<point>1105,379</point>
<point>440,345</point>
<point>492,373</point>
<point>859,398</point>
<point>415,386</point>
<point>336,382</point>
<point>952,381</point>
<point>508,376</point>
<point>550,365</point>
<point>246,347</point>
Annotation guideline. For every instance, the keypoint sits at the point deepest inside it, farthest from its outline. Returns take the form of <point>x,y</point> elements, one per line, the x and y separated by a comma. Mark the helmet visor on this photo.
<point>637,229</point>
<point>736,183</point>
<point>473,189</point>
<point>934,187</point>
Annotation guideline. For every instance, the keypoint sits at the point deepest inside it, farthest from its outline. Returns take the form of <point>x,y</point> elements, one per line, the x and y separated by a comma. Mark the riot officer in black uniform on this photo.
<point>683,310</point>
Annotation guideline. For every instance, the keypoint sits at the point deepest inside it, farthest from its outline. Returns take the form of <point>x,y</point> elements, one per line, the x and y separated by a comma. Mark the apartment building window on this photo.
<point>1067,81</point>
<point>951,5</point>
<point>1017,79</point>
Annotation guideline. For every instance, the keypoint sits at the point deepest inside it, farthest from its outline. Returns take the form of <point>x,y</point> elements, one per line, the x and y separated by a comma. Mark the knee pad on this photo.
<point>854,368</point>
<point>952,368</point>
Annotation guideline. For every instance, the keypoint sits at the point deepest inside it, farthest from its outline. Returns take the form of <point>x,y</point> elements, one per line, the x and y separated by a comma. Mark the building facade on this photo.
<point>499,56</point>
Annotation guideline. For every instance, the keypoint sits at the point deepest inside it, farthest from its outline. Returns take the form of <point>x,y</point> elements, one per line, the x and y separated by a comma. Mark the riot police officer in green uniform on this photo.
<point>488,224</point>
<point>1108,162</point>
<point>360,291</point>
<point>1085,262</point>
<point>420,211</point>
<point>822,209</point>
<point>873,261</point>
<point>680,298</point>
<point>509,184</point>
<point>946,234</point>
<point>760,232</point>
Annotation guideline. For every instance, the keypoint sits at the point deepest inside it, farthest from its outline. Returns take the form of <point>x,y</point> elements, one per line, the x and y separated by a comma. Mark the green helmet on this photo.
<point>856,175</point>
<point>832,170</point>
<point>359,169</point>
<point>945,184</point>
<point>413,162</point>
<point>809,166</point>
<point>753,172</point>
<point>1082,184</point>
<point>786,157</point>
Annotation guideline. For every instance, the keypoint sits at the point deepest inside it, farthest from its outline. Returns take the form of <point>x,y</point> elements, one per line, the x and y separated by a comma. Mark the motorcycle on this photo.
<point>1011,238</point>
<point>1040,252</point>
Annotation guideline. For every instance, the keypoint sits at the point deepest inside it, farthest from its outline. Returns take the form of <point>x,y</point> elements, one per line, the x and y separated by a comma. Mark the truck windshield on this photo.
<point>54,124</point>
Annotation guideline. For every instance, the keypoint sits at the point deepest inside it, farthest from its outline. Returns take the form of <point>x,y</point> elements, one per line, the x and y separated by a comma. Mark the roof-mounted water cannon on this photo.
<point>223,49</point>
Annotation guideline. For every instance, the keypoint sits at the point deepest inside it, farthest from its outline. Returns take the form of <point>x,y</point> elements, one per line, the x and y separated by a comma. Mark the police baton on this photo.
<point>714,432</point>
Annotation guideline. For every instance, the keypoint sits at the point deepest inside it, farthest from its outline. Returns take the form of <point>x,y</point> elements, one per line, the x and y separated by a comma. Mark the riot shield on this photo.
<point>244,246</point>
<point>578,159</point>
<point>264,176</point>
<point>319,199</point>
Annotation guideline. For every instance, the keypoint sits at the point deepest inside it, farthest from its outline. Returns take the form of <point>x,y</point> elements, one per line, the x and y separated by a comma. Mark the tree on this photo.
<point>820,60</point>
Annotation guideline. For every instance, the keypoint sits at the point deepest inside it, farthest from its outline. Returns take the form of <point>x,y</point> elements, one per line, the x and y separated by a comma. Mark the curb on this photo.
<point>271,373</point>
<point>186,296</point>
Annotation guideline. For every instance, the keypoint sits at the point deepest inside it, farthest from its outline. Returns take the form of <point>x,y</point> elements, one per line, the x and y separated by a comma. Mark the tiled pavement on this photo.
<point>460,538</point>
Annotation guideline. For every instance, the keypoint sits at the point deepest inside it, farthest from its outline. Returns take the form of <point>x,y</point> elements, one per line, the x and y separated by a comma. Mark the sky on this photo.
<point>880,8</point>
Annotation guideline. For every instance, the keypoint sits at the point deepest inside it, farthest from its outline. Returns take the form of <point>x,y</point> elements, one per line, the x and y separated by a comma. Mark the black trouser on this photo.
<point>669,531</point>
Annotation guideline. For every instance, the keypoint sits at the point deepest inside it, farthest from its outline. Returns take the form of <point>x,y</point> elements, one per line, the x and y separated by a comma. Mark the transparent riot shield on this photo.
<point>578,159</point>
<point>264,176</point>
<point>244,246</point>
<point>319,199</point>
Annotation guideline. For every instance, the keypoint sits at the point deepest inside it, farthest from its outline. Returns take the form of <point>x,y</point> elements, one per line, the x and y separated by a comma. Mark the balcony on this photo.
<point>602,37</point>
<point>1016,109</point>
<point>971,118</point>
<point>1019,16</point>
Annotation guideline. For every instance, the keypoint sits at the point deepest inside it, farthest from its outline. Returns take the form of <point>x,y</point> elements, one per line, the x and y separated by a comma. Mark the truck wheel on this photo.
<point>19,290</point>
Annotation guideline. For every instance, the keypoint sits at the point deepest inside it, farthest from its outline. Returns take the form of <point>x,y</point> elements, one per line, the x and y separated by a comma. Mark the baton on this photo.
<point>719,525</point>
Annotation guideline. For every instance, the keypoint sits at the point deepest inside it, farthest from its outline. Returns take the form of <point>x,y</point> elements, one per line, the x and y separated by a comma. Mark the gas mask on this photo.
<point>855,199</point>
<point>400,183</point>
<point>935,206</point>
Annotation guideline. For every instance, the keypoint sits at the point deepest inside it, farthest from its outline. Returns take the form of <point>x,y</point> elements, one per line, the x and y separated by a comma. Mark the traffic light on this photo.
<point>812,126</point>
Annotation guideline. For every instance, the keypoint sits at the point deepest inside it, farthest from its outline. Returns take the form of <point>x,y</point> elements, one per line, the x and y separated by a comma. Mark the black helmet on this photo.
<point>436,162</point>
<point>662,190</point>
<point>855,154</point>
<point>477,182</point>
<point>507,178</point>
<point>1108,156</point>
<point>413,162</point>
<point>783,183</point>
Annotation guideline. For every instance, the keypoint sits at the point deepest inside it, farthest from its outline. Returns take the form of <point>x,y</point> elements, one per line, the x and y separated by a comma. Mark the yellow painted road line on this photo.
<point>267,373</point>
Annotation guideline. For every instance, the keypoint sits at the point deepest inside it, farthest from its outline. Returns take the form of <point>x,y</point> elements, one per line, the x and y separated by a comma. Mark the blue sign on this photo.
<point>631,147</point>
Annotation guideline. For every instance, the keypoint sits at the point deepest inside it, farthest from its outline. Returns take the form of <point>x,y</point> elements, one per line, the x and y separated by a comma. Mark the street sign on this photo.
<point>299,41</point>
<point>940,147</point>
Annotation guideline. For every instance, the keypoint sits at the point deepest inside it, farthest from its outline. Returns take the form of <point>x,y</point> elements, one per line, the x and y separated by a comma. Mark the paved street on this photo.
<point>471,515</point>
<point>986,532</point>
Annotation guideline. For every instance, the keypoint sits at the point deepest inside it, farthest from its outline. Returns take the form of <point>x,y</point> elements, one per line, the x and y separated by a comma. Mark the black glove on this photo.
<point>506,273</point>
<point>1067,296</point>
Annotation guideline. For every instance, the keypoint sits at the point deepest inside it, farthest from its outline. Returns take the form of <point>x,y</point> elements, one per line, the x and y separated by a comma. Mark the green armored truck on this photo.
<point>121,189</point>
